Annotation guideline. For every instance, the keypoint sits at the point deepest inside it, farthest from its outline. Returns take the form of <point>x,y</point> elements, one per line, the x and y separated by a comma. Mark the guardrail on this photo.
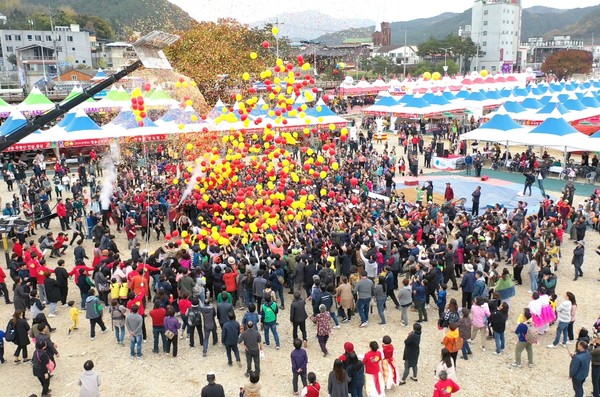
<point>18,98</point>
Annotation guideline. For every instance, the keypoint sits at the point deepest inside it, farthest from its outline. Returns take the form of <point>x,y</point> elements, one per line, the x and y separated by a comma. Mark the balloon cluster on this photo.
<point>137,104</point>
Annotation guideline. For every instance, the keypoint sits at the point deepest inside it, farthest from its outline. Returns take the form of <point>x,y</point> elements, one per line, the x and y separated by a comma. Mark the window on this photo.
<point>59,38</point>
<point>8,37</point>
<point>38,37</point>
<point>485,23</point>
<point>9,49</point>
<point>72,48</point>
<point>484,44</point>
<point>48,38</point>
<point>485,32</point>
<point>17,37</point>
<point>76,61</point>
<point>69,38</point>
<point>83,61</point>
<point>29,37</point>
<point>74,77</point>
<point>485,12</point>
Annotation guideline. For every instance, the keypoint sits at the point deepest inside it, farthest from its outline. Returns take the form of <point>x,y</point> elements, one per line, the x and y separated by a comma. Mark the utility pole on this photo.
<point>54,42</point>
<point>404,55</point>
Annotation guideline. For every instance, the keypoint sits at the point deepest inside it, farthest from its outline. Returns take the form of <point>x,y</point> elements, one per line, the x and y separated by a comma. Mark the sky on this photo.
<point>377,10</point>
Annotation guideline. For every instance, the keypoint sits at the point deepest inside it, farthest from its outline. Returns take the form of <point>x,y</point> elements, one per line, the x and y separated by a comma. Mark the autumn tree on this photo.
<point>564,64</point>
<point>216,55</point>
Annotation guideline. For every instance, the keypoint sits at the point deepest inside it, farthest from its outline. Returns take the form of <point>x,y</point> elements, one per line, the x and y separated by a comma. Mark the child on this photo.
<point>313,389</point>
<point>123,293</point>
<point>441,300</point>
<point>553,305</point>
<point>184,304</point>
<point>464,331</point>
<point>89,380</point>
<point>299,360</point>
<point>445,387</point>
<point>115,286</point>
<point>74,313</point>
<point>390,373</point>
<point>250,315</point>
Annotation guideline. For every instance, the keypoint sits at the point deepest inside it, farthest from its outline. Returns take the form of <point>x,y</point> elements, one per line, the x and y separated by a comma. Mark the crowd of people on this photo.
<point>325,240</point>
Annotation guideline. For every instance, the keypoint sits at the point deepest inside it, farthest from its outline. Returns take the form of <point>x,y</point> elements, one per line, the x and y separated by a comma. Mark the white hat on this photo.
<point>231,260</point>
<point>468,267</point>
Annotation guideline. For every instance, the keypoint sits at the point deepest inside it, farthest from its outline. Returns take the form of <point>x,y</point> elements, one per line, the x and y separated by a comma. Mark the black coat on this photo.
<point>20,298</point>
<point>62,276</point>
<point>411,348</point>
<point>22,333</point>
<point>52,290</point>
<point>39,361</point>
<point>298,311</point>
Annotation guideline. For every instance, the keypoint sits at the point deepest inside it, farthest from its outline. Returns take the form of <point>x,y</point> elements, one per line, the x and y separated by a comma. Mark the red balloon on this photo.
<point>147,87</point>
<point>300,59</point>
<point>265,44</point>
<point>168,236</point>
<point>354,200</point>
<point>175,233</point>
<point>326,98</point>
<point>353,181</point>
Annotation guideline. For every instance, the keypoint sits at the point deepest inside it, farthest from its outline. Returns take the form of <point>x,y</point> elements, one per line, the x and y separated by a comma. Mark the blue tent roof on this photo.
<point>100,75</point>
<point>562,97</point>
<point>325,111</point>
<point>590,102</point>
<point>573,104</point>
<point>448,95</point>
<point>428,95</point>
<point>502,122</point>
<point>386,101</point>
<point>537,91</point>
<point>172,115</point>
<point>126,119</point>
<point>476,97</point>
<point>81,122</point>
<point>438,100</point>
<point>531,103</point>
<point>513,107</point>
<point>67,119</point>
<point>13,122</point>
<point>554,126</point>
<point>406,98</point>
<point>463,93</point>
<point>493,94</point>
<point>520,92</point>
<point>549,108</point>
<point>418,103</point>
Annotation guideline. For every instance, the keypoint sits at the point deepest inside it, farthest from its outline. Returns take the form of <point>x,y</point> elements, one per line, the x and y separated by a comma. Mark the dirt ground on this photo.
<point>155,375</point>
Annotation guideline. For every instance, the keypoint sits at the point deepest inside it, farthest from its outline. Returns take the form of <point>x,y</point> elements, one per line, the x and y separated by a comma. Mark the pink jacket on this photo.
<point>479,313</point>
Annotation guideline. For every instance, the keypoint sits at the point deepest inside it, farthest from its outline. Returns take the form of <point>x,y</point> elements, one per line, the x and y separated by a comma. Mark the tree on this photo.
<point>215,55</point>
<point>564,64</point>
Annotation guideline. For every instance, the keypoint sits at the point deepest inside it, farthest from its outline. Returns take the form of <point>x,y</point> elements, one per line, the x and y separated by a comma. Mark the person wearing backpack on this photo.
<point>93,312</point>
<point>269,320</point>
<point>117,318</point>
<point>195,322</point>
<point>527,335</point>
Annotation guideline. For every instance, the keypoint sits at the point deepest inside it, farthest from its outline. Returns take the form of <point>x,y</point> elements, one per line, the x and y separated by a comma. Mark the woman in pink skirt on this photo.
<point>374,384</point>
<point>388,365</point>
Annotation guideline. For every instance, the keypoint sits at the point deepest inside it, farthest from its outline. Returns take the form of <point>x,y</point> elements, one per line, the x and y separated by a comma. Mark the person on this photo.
<point>323,322</point>
<point>411,353</point>
<point>299,359</point>
<point>529,180</point>
<point>356,373</point>
<point>252,388</point>
<point>476,195</point>
<point>373,371</point>
<point>480,311</point>
<point>468,163</point>
<point>21,338</point>
<point>523,344</point>
<point>448,193</point>
<point>133,323</point>
<point>172,326</point>
<point>577,261</point>
<point>447,365</point>
<point>269,320</point>
<point>158,315</point>
<point>364,290</point>
<point>498,323</point>
<point>563,314</point>
<point>231,334</point>
<point>405,300</point>
<point>298,317</point>
<point>89,381</point>
<point>313,389</point>
<point>445,386</point>
<point>337,383</point>
<point>452,341</point>
<point>213,389</point>
<point>580,367</point>
<point>194,320</point>
<point>93,312</point>
<point>390,372</point>
<point>419,290</point>
<point>250,338</point>
<point>467,285</point>
<point>209,315</point>
<point>40,361</point>
<point>380,294</point>
<point>464,331</point>
<point>595,362</point>
<point>570,331</point>
<point>345,297</point>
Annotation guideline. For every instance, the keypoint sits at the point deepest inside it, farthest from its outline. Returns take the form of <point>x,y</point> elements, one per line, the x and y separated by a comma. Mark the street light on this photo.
<point>446,54</point>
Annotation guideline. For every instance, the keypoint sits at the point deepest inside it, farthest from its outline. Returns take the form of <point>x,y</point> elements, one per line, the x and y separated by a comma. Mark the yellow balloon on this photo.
<point>309,226</point>
<point>275,30</point>
<point>483,73</point>
<point>436,75</point>
<point>253,55</point>
<point>246,76</point>
<point>175,181</point>
<point>184,233</point>
<point>426,75</point>
<point>189,146</point>
<point>323,175</point>
<point>335,166</point>
<point>323,192</point>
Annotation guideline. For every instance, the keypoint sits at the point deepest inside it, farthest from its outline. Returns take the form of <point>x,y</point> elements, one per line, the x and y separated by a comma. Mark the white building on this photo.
<point>398,53</point>
<point>72,46</point>
<point>115,55</point>
<point>496,27</point>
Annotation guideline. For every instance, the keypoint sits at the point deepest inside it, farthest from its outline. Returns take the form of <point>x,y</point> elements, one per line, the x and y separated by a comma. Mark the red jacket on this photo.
<point>18,249</point>
<point>230,280</point>
<point>139,301</point>
<point>61,210</point>
<point>41,274</point>
<point>158,317</point>
<point>445,388</point>
<point>184,305</point>
<point>75,271</point>
<point>2,275</point>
